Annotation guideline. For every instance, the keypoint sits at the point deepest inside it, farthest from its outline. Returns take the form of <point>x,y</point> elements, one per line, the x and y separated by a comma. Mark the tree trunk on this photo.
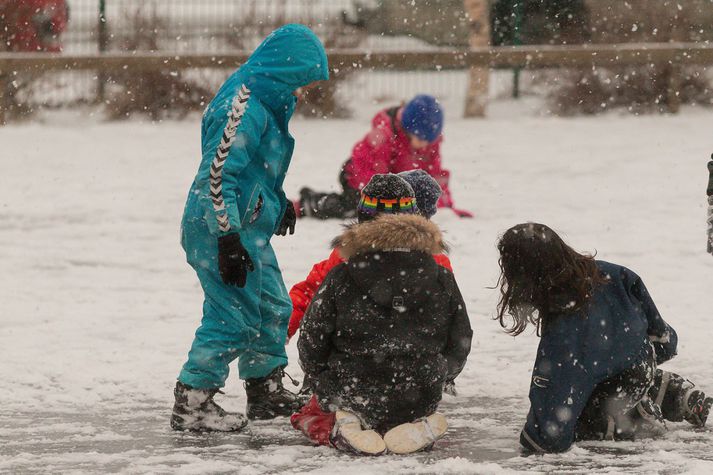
<point>476,98</point>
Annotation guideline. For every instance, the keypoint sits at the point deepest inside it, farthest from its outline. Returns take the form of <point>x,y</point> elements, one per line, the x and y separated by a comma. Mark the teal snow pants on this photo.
<point>248,324</point>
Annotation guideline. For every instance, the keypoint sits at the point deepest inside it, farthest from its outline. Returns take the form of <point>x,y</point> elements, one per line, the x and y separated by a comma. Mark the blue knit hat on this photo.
<point>423,117</point>
<point>427,191</point>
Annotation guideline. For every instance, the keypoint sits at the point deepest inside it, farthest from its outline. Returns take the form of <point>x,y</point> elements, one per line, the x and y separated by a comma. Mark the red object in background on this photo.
<point>32,25</point>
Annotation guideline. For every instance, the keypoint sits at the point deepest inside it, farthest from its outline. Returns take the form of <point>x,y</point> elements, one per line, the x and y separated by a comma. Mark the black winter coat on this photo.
<point>387,327</point>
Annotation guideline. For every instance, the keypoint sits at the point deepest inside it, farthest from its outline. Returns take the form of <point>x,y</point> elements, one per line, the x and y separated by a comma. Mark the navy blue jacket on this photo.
<point>581,349</point>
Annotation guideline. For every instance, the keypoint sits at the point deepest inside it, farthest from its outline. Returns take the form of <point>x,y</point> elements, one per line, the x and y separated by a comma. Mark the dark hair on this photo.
<point>541,277</point>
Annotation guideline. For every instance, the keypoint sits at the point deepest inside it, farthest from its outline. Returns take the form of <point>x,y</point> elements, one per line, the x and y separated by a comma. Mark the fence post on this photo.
<point>4,97</point>
<point>476,98</point>
<point>518,12</point>
<point>102,42</point>
<point>674,69</point>
<point>673,86</point>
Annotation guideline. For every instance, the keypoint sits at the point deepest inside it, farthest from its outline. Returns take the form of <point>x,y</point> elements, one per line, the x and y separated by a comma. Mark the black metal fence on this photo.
<point>215,27</point>
<point>223,26</point>
<point>199,25</point>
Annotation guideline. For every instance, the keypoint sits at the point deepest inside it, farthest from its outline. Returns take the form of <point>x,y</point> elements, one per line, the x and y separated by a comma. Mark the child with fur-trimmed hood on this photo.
<point>382,186</point>
<point>386,329</point>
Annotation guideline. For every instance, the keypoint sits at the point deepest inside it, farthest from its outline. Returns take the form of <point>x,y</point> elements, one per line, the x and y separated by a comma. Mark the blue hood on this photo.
<point>290,57</point>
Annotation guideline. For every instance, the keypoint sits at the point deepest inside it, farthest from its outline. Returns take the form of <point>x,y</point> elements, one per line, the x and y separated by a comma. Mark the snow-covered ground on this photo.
<point>98,306</point>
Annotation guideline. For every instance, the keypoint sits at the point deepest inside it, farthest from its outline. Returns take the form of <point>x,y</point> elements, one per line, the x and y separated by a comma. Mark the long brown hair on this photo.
<point>541,277</point>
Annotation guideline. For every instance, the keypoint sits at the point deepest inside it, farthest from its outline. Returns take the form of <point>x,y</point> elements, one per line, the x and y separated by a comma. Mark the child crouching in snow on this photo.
<point>427,192</point>
<point>595,375</point>
<point>385,331</point>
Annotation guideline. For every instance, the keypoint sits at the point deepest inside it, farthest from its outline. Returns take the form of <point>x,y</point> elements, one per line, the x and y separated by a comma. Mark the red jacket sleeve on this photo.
<point>443,261</point>
<point>302,292</point>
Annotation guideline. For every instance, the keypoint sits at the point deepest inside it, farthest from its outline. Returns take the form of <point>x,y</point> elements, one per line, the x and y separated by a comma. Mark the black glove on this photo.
<point>289,219</point>
<point>233,260</point>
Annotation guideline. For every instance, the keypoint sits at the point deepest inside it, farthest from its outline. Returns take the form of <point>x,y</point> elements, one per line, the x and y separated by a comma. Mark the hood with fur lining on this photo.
<point>391,259</point>
<point>396,232</point>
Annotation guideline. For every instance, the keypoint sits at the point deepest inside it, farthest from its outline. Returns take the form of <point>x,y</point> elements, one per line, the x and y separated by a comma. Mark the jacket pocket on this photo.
<point>254,207</point>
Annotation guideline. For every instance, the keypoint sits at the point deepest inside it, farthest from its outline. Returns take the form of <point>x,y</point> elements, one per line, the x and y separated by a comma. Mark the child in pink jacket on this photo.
<point>402,138</point>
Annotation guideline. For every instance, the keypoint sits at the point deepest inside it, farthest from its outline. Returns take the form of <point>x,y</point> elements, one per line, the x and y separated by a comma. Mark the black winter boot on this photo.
<point>268,398</point>
<point>680,399</point>
<point>320,205</point>
<point>698,406</point>
<point>195,410</point>
<point>308,202</point>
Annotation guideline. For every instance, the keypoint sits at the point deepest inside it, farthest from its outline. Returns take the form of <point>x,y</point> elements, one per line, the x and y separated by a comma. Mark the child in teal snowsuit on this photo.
<point>234,207</point>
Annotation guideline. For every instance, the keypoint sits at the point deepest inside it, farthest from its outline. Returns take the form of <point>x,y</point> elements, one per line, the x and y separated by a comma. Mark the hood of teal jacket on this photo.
<point>290,57</point>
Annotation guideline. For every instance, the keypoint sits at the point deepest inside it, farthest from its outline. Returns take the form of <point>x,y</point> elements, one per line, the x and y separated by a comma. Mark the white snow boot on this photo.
<point>414,436</point>
<point>195,410</point>
<point>349,436</point>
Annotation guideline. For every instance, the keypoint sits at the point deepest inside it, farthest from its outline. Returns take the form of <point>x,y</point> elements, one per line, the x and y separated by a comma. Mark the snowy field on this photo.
<point>98,306</point>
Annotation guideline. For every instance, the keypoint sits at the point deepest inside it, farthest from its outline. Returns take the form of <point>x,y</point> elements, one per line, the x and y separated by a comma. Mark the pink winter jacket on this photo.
<point>387,149</point>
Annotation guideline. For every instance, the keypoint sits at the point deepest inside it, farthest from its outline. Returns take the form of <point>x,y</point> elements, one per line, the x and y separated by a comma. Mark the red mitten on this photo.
<point>461,213</point>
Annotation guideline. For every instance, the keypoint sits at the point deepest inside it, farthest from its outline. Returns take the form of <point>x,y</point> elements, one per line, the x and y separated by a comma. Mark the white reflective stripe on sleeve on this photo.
<point>221,155</point>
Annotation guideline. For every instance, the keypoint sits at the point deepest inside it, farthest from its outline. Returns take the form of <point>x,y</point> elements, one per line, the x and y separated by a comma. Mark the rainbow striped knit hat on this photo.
<point>387,193</point>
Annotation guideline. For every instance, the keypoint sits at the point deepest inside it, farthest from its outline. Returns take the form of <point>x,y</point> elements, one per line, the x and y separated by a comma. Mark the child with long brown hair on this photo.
<point>595,374</point>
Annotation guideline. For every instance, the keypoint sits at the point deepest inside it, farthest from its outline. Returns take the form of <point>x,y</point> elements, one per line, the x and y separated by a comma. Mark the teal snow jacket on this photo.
<point>239,189</point>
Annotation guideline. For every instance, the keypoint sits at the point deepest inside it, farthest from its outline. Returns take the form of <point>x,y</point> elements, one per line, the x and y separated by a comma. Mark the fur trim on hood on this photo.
<point>391,232</point>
